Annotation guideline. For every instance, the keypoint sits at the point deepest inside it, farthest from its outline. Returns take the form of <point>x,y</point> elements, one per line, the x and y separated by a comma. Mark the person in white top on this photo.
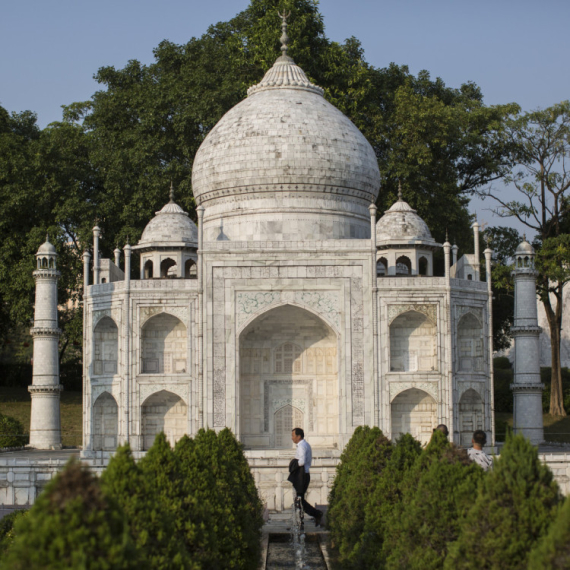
<point>476,452</point>
<point>304,456</point>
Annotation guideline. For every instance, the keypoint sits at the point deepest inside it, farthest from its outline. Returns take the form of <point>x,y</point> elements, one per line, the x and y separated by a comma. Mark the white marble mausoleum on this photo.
<point>288,305</point>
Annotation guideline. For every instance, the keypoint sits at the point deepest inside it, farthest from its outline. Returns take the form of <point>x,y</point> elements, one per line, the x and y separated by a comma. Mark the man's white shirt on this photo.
<point>304,455</point>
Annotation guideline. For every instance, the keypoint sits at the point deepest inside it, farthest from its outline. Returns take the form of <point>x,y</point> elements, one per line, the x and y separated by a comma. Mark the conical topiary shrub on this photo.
<point>552,552</point>
<point>426,521</point>
<point>73,524</point>
<point>514,508</point>
<point>150,514</point>
<point>387,493</point>
<point>361,465</point>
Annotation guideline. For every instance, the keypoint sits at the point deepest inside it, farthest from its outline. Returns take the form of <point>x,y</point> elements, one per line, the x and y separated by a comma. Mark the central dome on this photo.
<point>285,164</point>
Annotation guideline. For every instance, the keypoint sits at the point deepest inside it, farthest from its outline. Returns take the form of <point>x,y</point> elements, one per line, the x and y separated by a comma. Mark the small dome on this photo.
<point>401,225</point>
<point>524,248</point>
<point>171,227</point>
<point>47,248</point>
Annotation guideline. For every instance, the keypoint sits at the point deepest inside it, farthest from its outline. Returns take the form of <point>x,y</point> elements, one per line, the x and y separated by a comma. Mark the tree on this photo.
<point>387,493</point>
<point>73,524</point>
<point>541,140</point>
<point>361,464</point>
<point>515,506</point>
<point>144,496</point>
<point>553,551</point>
<point>504,242</point>
<point>428,517</point>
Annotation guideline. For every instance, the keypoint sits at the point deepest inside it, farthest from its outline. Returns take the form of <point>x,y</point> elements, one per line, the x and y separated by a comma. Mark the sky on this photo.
<point>515,50</point>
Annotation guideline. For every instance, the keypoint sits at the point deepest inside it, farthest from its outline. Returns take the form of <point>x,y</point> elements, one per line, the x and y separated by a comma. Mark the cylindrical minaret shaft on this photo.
<point>45,426</point>
<point>447,256</point>
<point>96,264</point>
<point>117,253</point>
<point>476,265</point>
<point>527,386</point>
<point>86,263</point>
<point>488,253</point>
<point>454,251</point>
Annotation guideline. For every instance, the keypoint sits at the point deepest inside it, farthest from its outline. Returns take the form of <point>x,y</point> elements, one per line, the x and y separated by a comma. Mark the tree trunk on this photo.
<point>555,325</point>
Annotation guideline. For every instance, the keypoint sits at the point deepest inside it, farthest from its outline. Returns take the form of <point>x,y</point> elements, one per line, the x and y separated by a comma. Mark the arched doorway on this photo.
<point>163,411</point>
<point>288,378</point>
<point>105,423</point>
<point>471,416</point>
<point>413,411</point>
<point>105,335</point>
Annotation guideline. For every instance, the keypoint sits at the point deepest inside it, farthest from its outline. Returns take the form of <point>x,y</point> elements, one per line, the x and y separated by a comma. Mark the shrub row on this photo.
<point>192,507</point>
<point>396,506</point>
<point>12,432</point>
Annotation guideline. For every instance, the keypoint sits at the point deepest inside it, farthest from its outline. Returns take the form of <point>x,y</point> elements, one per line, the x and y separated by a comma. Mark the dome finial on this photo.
<point>171,192</point>
<point>524,237</point>
<point>47,237</point>
<point>284,37</point>
<point>400,197</point>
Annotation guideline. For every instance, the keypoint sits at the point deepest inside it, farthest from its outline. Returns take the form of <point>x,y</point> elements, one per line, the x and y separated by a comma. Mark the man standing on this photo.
<point>476,452</point>
<point>304,456</point>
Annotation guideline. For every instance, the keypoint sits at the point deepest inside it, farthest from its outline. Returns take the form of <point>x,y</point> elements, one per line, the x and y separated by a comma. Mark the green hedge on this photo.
<point>503,393</point>
<point>434,509</point>
<point>12,432</point>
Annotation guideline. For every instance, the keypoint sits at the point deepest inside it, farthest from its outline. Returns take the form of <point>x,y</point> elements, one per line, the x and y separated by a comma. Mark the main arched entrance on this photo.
<point>288,361</point>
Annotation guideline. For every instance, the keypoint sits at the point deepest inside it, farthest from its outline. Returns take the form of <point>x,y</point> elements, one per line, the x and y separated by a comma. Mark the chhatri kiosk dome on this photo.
<point>285,164</point>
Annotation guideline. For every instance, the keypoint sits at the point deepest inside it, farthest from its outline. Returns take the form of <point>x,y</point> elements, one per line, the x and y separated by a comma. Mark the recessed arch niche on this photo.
<point>106,340</point>
<point>163,411</point>
<point>288,373</point>
<point>413,411</point>
<point>105,423</point>
<point>164,345</point>
<point>413,342</point>
<point>470,341</point>
<point>471,416</point>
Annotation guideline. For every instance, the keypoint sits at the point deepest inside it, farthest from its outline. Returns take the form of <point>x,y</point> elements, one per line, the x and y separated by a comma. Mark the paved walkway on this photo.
<point>280,523</point>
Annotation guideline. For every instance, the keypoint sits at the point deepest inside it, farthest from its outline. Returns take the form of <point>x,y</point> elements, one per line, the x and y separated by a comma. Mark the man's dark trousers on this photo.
<point>311,511</point>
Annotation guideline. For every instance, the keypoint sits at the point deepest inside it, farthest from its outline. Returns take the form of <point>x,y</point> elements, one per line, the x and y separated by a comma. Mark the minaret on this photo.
<point>477,264</point>
<point>527,387</point>
<point>45,428</point>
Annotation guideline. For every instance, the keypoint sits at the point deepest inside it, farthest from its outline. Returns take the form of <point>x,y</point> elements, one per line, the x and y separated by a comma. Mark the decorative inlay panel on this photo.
<point>399,387</point>
<point>146,390</point>
<point>429,310</point>
<point>324,302</point>
<point>462,310</point>
<point>114,313</point>
<point>180,312</point>
<point>249,303</point>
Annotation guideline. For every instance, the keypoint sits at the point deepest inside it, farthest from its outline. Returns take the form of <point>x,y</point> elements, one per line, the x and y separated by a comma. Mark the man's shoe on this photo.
<point>319,519</point>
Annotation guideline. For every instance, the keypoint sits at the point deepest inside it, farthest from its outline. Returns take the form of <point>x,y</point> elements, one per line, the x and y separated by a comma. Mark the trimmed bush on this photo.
<point>7,533</point>
<point>387,493</point>
<point>502,363</point>
<point>73,524</point>
<point>553,551</point>
<point>144,495</point>
<point>12,432</point>
<point>427,519</point>
<point>361,465</point>
<point>514,508</point>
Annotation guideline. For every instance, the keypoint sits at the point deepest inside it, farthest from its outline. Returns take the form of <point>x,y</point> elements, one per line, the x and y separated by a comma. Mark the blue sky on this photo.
<point>515,50</point>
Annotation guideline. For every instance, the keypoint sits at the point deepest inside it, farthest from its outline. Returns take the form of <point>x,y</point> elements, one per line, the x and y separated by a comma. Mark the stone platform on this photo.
<point>24,473</point>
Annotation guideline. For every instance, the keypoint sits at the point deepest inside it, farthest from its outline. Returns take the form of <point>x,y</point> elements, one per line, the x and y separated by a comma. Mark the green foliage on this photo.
<point>503,393</point>
<point>545,377</point>
<point>427,519</point>
<point>73,524</point>
<point>7,533</point>
<point>12,432</point>
<point>553,551</point>
<point>514,508</point>
<point>196,507</point>
<point>149,500</point>
<point>218,479</point>
<point>361,464</point>
<point>386,494</point>
<point>502,363</point>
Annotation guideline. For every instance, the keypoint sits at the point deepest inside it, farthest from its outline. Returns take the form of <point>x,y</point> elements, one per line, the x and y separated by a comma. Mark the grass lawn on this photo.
<point>16,402</point>
<point>556,429</point>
